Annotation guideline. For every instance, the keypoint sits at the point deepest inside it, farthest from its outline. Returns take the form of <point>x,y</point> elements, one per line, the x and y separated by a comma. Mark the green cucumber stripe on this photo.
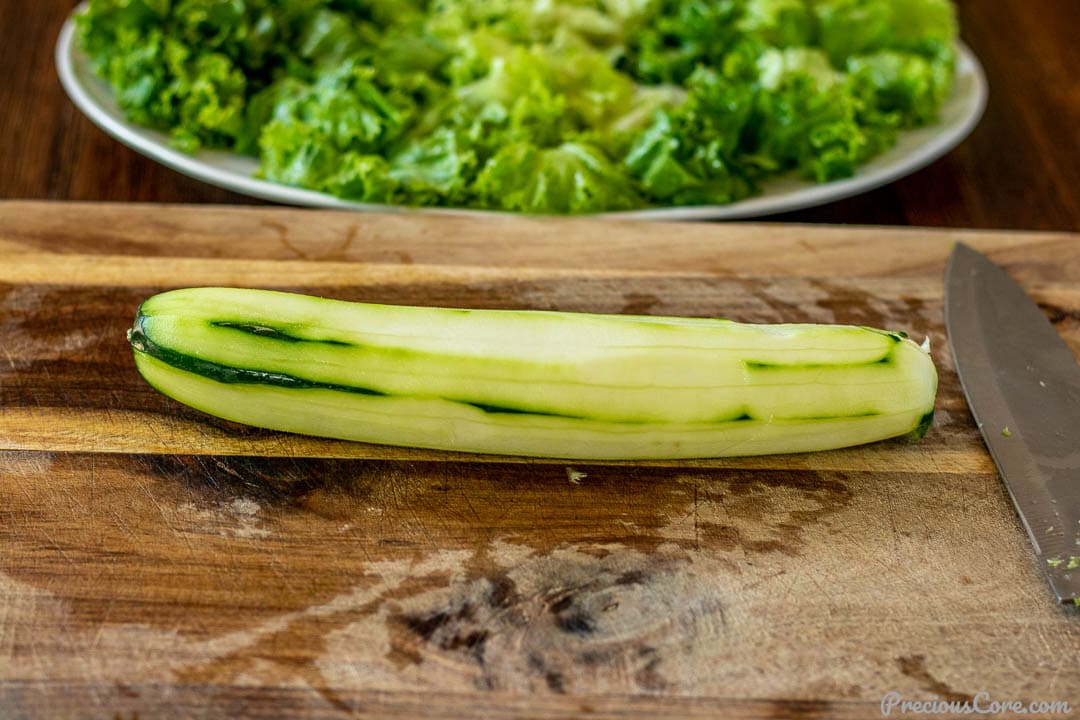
<point>273,333</point>
<point>924,425</point>
<point>894,335</point>
<point>886,359</point>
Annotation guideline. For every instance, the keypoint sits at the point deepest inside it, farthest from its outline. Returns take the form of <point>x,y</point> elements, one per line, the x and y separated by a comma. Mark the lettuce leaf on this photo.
<point>338,124</point>
<point>856,27</point>
<point>570,178</point>
<point>905,84</point>
<point>693,155</point>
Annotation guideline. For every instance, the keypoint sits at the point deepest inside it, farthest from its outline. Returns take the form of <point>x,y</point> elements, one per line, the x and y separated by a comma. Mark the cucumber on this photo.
<point>545,384</point>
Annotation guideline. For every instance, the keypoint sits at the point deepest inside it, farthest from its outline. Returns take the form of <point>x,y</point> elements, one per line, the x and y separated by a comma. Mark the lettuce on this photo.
<point>320,135</point>
<point>694,154</point>
<point>683,36</point>
<point>908,85</point>
<point>856,27</point>
<point>781,23</point>
<point>561,106</point>
<point>570,178</point>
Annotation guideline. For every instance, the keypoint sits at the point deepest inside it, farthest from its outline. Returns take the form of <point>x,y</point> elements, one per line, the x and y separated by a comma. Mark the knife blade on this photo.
<point>1023,387</point>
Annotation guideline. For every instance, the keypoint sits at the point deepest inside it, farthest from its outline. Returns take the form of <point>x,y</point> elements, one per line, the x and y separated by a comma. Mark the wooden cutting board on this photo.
<point>156,563</point>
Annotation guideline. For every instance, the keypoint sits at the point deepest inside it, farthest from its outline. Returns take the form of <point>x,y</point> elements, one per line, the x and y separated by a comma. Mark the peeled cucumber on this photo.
<point>545,384</point>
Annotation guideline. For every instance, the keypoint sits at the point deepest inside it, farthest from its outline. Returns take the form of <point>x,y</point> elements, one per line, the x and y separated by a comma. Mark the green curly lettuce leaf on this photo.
<point>569,178</point>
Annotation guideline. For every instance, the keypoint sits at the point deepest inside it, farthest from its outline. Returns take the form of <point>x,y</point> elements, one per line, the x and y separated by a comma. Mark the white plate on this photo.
<point>915,149</point>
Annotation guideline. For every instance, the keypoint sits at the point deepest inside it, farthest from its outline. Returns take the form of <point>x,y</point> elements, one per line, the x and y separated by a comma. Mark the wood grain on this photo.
<point>1018,170</point>
<point>158,563</point>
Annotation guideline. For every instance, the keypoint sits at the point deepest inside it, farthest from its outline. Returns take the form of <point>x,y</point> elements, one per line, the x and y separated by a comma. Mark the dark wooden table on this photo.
<point>1020,168</point>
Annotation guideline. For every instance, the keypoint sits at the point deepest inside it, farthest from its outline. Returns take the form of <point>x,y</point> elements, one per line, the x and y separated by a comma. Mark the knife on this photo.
<point>1023,387</point>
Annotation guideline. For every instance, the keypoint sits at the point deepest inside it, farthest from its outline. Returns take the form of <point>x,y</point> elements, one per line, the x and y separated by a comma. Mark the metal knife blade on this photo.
<point>1023,387</point>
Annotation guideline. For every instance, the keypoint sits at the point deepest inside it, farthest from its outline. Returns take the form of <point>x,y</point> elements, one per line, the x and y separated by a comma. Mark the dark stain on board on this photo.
<point>914,667</point>
<point>639,303</point>
<point>850,305</point>
<point>571,616</point>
